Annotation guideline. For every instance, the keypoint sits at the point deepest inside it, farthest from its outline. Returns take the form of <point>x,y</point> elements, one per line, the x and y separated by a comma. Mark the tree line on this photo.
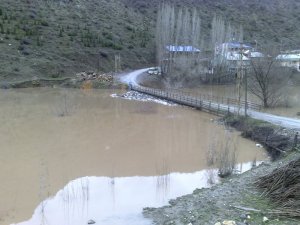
<point>179,26</point>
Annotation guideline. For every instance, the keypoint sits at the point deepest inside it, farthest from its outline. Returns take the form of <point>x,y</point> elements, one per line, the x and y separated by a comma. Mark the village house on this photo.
<point>176,53</point>
<point>234,55</point>
<point>290,59</point>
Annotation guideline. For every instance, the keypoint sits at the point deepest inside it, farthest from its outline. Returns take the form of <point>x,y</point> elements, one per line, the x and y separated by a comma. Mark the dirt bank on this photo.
<point>234,199</point>
<point>65,82</point>
<point>276,140</point>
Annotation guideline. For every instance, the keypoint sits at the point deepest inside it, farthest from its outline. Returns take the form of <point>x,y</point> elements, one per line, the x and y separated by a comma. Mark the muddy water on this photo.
<point>50,137</point>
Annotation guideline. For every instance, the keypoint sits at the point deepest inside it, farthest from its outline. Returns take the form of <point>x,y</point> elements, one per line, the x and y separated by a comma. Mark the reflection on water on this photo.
<point>117,201</point>
<point>52,136</point>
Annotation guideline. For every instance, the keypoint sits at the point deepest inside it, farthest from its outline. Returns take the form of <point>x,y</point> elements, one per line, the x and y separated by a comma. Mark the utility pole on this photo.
<point>246,92</point>
<point>98,62</point>
<point>117,63</point>
<point>240,76</point>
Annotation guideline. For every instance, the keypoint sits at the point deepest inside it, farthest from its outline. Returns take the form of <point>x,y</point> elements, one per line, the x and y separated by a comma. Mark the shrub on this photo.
<point>227,156</point>
<point>104,54</point>
<point>44,23</point>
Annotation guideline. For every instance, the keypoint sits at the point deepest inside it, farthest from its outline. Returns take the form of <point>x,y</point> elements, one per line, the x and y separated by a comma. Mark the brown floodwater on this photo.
<point>69,150</point>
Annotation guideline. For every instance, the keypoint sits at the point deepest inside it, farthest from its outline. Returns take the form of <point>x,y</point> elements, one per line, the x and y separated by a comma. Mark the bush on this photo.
<point>44,23</point>
<point>117,47</point>
<point>56,75</point>
<point>21,47</point>
<point>104,54</point>
<point>25,41</point>
<point>227,158</point>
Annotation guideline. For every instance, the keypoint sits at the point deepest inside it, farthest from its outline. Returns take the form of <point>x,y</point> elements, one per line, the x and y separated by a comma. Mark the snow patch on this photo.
<point>134,95</point>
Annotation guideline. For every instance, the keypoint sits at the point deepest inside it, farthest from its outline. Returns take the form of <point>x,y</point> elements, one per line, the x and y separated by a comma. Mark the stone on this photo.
<point>228,222</point>
<point>243,216</point>
<point>25,41</point>
<point>218,223</point>
<point>91,222</point>
<point>265,219</point>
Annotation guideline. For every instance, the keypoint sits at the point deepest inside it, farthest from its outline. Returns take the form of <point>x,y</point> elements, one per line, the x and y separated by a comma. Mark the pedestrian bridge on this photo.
<point>209,103</point>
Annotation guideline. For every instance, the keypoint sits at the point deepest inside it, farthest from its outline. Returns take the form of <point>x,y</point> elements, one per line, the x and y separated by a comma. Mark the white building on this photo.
<point>234,55</point>
<point>291,60</point>
<point>173,54</point>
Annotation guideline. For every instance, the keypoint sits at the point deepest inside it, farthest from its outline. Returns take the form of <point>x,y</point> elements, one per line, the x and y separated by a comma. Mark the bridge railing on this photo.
<point>218,99</point>
<point>218,105</point>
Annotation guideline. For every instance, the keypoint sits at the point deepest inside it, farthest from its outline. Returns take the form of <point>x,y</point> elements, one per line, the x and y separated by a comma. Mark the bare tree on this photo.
<point>268,80</point>
<point>222,33</point>
<point>178,27</point>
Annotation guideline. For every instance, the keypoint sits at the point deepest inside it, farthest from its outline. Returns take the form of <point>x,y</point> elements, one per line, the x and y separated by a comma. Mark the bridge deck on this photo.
<point>206,103</point>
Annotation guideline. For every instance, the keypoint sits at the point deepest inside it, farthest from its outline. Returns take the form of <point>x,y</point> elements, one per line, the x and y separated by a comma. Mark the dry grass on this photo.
<point>282,186</point>
<point>227,157</point>
<point>221,153</point>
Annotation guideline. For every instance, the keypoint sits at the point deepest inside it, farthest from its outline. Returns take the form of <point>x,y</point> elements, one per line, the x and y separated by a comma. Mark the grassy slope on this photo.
<point>58,38</point>
<point>55,38</point>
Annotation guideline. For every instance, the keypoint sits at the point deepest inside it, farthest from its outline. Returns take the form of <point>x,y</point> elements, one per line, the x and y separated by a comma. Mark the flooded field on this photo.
<point>69,156</point>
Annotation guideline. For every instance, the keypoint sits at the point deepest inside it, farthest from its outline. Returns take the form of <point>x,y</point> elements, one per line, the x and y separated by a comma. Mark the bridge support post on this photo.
<point>228,111</point>
<point>296,139</point>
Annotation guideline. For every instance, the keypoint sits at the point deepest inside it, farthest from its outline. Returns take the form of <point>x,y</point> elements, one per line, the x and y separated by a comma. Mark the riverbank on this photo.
<point>275,139</point>
<point>84,80</point>
<point>236,199</point>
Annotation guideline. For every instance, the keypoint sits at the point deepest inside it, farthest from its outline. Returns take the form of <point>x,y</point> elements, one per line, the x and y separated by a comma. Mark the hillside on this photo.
<point>272,22</point>
<point>57,38</point>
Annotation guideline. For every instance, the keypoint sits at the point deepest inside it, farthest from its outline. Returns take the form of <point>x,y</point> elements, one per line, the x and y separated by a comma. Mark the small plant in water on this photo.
<point>254,163</point>
<point>64,107</point>
<point>227,157</point>
<point>211,152</point>
<point>211,175</point>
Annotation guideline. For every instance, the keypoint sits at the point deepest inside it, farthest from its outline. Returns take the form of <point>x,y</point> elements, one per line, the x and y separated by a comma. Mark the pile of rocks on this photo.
<point>82,76</point>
